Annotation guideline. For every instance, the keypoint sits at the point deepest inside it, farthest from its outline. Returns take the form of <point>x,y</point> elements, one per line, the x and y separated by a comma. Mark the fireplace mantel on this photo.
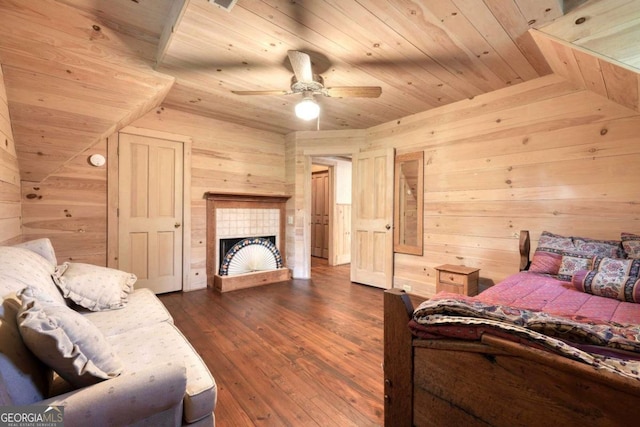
<point>223,200</point>
<point>244,198</point>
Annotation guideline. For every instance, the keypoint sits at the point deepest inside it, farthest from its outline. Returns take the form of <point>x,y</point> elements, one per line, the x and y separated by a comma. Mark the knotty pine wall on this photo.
<point>541,155</point>
<point>70,208</point>
<point>225,158</point>
<point>10,209</point>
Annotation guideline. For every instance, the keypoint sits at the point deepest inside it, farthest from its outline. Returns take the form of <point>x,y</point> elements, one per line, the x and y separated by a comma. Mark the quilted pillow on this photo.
<point>93,287</point>
<point>65,341</point>
<point>631,245</point>
<point>623,288</point>
<point>548,255</point>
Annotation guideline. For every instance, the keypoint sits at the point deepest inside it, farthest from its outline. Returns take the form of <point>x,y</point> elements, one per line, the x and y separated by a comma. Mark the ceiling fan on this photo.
<point>309,85</point>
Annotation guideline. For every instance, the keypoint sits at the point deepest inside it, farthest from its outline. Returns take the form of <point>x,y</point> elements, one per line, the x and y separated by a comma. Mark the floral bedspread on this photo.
<point>607,346</point>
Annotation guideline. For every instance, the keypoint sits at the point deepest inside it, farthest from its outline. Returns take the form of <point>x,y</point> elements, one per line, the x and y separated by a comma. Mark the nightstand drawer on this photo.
<point>453,278</point>
<point>449,287</point>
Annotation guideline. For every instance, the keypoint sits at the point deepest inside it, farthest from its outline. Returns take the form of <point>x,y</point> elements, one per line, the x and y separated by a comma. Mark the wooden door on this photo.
<point>150,211</point>
<point>372,216</point>
<point>320,214</point>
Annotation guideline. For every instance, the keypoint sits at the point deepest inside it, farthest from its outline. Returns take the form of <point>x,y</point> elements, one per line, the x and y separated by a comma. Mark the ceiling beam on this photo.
<point>178,9</point>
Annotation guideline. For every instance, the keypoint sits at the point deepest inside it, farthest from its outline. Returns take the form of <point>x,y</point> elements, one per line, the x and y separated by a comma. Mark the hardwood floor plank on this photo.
<point>296,353</point>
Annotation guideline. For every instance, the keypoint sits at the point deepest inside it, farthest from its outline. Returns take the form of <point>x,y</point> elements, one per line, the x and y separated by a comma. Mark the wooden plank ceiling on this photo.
<point>78,70</point>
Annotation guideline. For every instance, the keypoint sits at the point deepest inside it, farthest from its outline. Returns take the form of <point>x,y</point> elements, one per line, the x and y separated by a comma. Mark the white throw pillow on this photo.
<point>65,341</point>
<point>94,287</point>
<point>21,267</point>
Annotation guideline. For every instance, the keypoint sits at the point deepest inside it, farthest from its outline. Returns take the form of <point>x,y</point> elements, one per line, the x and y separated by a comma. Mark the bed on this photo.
<point>535,349</point>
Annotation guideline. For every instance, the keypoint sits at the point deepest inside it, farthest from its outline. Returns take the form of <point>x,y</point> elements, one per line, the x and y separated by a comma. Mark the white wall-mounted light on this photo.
<point>308,108</point>
<point>97,160</point>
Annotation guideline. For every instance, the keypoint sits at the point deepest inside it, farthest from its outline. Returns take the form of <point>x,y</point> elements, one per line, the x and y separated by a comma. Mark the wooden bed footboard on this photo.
<point>493,383</point>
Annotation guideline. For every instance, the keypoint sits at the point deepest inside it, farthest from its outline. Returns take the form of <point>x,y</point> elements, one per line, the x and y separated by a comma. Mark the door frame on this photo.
<point>113,203</point>
<point>332,203</point>
<point>309,154</point>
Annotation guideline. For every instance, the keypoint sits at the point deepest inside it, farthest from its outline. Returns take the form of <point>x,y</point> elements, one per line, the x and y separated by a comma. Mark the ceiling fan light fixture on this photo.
<point>307,109</point>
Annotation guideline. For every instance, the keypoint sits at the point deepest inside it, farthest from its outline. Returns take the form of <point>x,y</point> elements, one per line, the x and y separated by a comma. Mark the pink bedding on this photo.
<point>543,312</point>
<point>540,292</point>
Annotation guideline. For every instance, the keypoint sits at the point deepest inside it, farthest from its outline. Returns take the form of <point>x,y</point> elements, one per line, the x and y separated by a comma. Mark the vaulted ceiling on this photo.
<point>78,70</point>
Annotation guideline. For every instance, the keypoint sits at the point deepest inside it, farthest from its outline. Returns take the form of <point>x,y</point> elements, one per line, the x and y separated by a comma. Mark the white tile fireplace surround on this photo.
<point>236,223</point>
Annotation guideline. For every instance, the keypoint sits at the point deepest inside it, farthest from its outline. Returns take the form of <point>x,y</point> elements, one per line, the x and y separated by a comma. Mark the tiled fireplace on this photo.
<point>232,218</point>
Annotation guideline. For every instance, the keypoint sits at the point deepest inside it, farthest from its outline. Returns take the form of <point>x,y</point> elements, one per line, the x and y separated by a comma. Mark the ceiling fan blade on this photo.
<point>301,64</point>
<point>260,92</point>
<point>354,91</point>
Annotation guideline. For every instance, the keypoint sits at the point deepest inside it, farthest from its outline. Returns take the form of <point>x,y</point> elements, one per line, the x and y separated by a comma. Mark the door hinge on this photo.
<point>118,212</point>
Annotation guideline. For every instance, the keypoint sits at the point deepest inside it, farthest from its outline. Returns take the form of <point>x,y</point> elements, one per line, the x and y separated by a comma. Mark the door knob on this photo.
<point>388,227</point>
<point>177,225</point>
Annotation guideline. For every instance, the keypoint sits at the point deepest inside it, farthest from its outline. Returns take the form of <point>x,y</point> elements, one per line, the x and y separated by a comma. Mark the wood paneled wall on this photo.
<point>225,158</point>
<point>70,208</point>
<point>10,210</point>
<point>541,155</point>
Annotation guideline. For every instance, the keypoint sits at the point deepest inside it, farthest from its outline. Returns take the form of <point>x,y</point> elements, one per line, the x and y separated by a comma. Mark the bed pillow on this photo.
<point>616,266</point>
<point>623,288</point>
<point>93,287</point>
<point>631,245</point>
<point>548,255</point>
<point>65,340</point>
<point>593,247</point>
<point>570,264</point>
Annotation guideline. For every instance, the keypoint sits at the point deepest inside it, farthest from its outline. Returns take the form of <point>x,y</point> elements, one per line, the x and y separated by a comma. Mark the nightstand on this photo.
<point>457,279</point>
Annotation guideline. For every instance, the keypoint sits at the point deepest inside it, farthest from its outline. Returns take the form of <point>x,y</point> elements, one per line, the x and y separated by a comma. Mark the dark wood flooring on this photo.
<point>297,353</point>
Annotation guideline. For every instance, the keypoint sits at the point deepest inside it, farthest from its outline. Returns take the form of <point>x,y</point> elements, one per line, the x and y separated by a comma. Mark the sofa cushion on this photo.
<point>23,378</point>
<point>22,267</point>
<point>143,309</point>
<point>66,341</point>
<point>94,287</point>
<point>162,343</point>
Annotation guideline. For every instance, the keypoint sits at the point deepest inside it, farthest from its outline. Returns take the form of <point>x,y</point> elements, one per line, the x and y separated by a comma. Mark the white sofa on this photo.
<point>161,380</point>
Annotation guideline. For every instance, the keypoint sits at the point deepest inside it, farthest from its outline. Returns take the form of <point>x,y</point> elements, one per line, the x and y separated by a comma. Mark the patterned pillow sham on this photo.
<point>623,288</point>
<point>570,264</point>
<point>593,247</point>
<point>547,258</point>
<point>548,255</point>
<point>631,245</point>
<point>94,287</point>
<point>616,266</point>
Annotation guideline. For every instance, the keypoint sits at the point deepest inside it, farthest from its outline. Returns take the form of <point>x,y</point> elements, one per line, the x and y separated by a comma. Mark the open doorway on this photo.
<point>330,211</point>
<point>321,208</point>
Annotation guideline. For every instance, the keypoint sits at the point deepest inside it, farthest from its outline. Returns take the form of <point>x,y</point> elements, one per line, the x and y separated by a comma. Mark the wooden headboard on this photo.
<point>525,248</point>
